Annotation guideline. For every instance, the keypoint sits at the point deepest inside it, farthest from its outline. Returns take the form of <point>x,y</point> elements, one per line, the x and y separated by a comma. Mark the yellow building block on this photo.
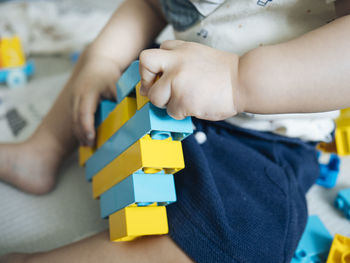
<point>141,100</point>
<point>132,222</point>
<point>11,52</point>
<point>145,153</point>
<point>342,132</point>
<point>340,250</point>
<point>85,153</point>
<point>116,119</point>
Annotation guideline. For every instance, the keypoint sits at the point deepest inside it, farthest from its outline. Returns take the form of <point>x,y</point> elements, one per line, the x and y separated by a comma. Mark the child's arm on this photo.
<point>307,74</point>
<point>132,28</point>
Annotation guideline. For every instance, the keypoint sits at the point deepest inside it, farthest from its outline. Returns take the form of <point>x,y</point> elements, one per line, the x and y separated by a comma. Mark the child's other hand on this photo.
<point>94,79</point>
<point>196,80</point>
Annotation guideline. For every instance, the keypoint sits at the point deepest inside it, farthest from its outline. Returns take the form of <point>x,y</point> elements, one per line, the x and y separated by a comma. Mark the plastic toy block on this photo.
<point>140,100</point>
<point>85,153</point>
<point>314,244</point>
<point>140,189</point>
<point>15,77</point>
<point>150,155</point>
<point>128,81</point>
<point>11,52</point>
<point>148,120</point>
<point>342,202</point>
<point>342,132</point>
<point>329,172</point>
<point>104,109</point>
<point>113,118</point>
<point>132,222</point>
<point>116,119</point>
<point>340,250</point>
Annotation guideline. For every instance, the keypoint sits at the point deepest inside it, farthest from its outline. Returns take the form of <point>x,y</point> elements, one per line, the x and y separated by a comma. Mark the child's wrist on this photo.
<point>237,85</point>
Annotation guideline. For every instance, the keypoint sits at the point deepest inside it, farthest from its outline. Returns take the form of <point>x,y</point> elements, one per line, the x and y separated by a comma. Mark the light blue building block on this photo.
<point>18,75</point>
<point>104,109</point>
<point>329,172</point>
<point>142,189</point>
<point>128,81</point>
<point>314,244</point>
<point>147,120</point>
<point>343,202</point>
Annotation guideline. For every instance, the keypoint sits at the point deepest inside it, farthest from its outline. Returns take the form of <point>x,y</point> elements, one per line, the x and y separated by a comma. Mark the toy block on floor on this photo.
<point>148,120</point>
<point>11,52</point>
<point>150,155</point>
<point>314,244</point>
<point>340,250</point>
<point>329,172</point>
<point>342,132</point>
<point>127,82</point>
<point>140,189</point>
<point>342,202</point>
<point>132,222</point>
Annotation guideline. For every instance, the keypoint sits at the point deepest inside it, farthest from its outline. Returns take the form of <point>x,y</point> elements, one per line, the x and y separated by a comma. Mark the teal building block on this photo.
<point>140,188</point>
<point>147,120</point>
<point>104,109</point>
<point>342,202</point>
<point>314,244</point>
<point>128,81</point>
<point>329,172</point>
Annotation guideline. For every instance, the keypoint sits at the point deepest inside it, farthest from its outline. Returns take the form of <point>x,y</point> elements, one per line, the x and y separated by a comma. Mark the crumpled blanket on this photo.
<point>51,27</point>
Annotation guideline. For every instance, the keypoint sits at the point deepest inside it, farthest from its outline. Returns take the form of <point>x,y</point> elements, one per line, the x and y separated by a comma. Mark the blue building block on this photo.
<point>128,81</point>
<point>314,244</point>
<point>148,120</point>
<point>104,108</point>
<point>140,188</point>
<point>329,172</point>
<point>343,202</point>
<point>17,76</point>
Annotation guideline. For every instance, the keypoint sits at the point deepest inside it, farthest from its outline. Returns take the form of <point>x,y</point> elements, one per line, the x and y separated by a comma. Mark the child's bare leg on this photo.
<point>32,165</point>
<point>99,249</point>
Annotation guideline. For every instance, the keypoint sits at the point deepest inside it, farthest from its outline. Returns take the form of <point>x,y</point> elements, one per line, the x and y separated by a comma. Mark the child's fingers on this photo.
<point>87,108</point>
<point>152,62</point>
<point>76,129</point>
<point>175,110</point>
<point>160,92</point>
<point>171,44</point>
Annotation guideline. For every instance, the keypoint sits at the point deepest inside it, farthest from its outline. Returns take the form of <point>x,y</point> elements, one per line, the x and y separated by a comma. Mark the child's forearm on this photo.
<point>307,74</point>
<point>132,28</point>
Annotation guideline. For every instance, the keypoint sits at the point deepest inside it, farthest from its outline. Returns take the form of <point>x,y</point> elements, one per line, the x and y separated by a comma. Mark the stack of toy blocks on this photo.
<point>315,243</point>
<point>340,250</point>
<point>138,150</point>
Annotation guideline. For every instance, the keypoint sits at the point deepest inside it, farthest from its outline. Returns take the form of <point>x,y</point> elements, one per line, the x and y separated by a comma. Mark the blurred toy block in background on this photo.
<point>342,202</point>
<point>314,244</point>
<point>328,171</point>
<point>340,250</point>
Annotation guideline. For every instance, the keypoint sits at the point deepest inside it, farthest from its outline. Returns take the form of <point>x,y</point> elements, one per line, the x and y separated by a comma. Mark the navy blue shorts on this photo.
<point>241,197</point>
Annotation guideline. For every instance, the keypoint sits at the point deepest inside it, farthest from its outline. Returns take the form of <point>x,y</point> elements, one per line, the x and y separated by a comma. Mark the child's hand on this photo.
<point>196,80</point>
<point>93,79</point>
